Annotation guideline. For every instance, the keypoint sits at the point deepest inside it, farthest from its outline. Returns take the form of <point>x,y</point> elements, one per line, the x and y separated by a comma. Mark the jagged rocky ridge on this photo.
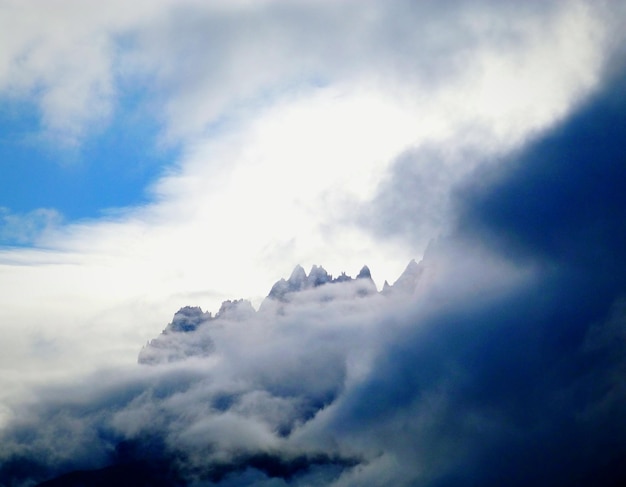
<point>186,335</point>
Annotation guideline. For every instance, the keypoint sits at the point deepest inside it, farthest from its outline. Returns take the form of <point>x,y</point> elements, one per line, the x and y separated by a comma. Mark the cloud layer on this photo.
<point>502,365</point>
<point>490,134</point>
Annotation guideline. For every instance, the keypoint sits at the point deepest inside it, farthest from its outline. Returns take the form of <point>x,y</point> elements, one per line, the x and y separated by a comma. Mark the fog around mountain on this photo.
<point>497,359</point>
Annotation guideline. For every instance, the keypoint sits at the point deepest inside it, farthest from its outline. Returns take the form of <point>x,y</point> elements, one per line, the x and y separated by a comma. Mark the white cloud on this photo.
<point>283,383</point>
<point>288,115</point>
<point>27,228</point>
<point>491,353</point>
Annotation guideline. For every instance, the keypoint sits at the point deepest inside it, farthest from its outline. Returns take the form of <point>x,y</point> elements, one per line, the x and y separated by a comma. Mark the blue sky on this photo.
<point>111,168</point>
<point>170,153</point>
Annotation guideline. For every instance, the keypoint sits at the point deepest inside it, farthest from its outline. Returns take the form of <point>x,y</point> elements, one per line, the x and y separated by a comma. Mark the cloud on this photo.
<point>509,97</point>
<point>502,364</point>
<point>505,387</point>
<point>205,63</point>
<point>287,116</point>
<point>27,228</point>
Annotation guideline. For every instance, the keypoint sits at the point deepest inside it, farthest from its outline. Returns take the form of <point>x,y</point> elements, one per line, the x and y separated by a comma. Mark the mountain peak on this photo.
<point>364,273</point>
<point>187,334</point>
<point>298,275</point>
<point>408,279</point>
<point>187,319</point>
<point>318,276</point>
<point>238,309</point>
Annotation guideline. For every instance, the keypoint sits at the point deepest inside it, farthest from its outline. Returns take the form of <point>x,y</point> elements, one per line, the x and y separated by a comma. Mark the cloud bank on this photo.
<point>285,117</point>
<point>496,360</point>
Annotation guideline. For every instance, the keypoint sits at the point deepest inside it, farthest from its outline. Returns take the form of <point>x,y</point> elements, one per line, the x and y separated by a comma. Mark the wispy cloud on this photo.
<point>26,229</point>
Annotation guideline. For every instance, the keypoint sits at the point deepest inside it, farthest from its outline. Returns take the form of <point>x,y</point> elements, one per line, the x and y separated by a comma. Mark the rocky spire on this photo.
<point>297,278</point>
<point>318,276</point>
<point>187,319</point>
<point>408,279</point>
<point>364,273</point>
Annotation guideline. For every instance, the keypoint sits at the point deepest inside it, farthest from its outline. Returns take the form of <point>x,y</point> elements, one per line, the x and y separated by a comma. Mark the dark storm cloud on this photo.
<point>516,387</point>
<point>504,367</point>
<point>562,199</point>
<point>414,200</point>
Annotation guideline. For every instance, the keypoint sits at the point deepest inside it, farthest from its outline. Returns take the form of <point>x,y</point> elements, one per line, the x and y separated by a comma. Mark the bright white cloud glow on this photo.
<point>289,115</point>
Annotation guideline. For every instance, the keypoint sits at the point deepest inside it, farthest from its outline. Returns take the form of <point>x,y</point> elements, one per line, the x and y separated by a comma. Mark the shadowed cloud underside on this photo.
<point>496,357</point>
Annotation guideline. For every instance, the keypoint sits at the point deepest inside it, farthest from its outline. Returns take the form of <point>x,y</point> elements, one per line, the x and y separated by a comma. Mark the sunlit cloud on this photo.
<point>332,133</point>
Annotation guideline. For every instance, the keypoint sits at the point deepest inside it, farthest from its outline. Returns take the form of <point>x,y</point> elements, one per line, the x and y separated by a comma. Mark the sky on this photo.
<point>163,154</point>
